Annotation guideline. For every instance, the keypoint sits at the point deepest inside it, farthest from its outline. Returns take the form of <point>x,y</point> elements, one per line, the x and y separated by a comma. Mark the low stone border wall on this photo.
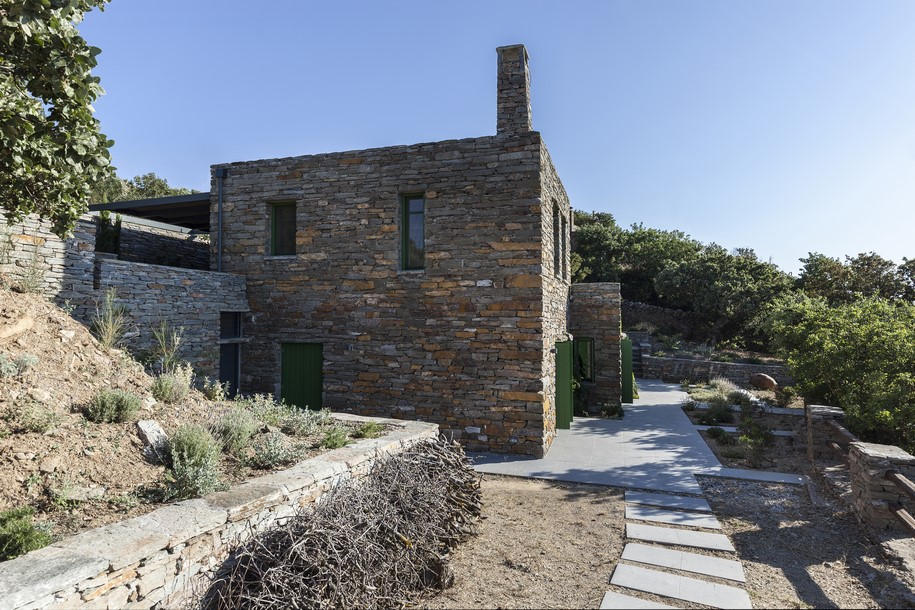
<point>160,558</point>
<point>675,370</point>
<point>873,497</point>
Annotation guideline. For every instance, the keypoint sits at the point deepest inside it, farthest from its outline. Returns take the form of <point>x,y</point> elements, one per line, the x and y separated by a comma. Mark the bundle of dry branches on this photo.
<point>375,543</point>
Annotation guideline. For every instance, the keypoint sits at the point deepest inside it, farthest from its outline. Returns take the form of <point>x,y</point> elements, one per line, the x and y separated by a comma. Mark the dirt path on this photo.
<point>798,555</point>
<point>540,545</point>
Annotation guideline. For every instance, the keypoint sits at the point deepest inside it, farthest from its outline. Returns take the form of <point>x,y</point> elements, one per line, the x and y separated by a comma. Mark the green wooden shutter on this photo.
<point>564,385</point>
<point>301,374</point>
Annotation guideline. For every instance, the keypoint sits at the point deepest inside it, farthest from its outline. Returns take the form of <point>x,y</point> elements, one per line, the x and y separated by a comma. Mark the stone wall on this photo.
<point>874,498</point>
<point>186,298</point>
<point>670,321</point>
<point>677,369</point>
<point>145,241</point>
<point>595,314</point>
<point>159,559</point>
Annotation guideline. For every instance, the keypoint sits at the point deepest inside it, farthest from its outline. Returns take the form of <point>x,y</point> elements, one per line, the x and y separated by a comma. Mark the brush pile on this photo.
<point>380,542</point>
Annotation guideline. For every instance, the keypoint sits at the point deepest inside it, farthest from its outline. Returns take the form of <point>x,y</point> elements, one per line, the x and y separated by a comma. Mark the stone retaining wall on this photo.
<point>144,241</point>
<point>159,559</point>
<point>874,498</point>
<point>595,314</point>
<point>675,370</point>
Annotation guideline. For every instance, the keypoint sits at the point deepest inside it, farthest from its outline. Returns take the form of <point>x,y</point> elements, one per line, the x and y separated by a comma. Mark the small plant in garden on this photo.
<point>305,422</point>
<point>786,395</point>
<point>736,397</point>
<point>112,406</point>
<point>110,320</point>
<point>720,436</point>
<point>32,279</point>
<point>264,408</point>
<point>8,367</point>
<point>28,416</point>
<point>235,429</point>
<point>717,413</point>
<point>273,450</point>
<point>173,386</point>
<point>168,345</point>
<point>17,366</point>
<point>369,429</point>
<point>725,386</point>
<point>19,534</point>
<point>193,463</point>
<point>689,405</point>
<point>214,390</point>
<point>335,438</point>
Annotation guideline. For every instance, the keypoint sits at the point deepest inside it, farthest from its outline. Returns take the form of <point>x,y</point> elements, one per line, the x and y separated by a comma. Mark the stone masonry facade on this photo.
<point>595,314</point>
<point>155,243</point>
<point>467,341</point>
<point>675,370</point>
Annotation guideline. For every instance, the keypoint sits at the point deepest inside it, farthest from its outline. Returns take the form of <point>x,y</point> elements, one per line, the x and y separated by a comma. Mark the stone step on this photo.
<point>680,537</point>
<point>681,560</point>
<point>680,587</point>
<point>673,517</point>
<point>668,501</point>
<point>613,601</point>
<point>745,474</point>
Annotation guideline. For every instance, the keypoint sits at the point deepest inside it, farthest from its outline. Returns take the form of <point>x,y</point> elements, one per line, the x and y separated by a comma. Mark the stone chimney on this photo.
<point>514,115</point>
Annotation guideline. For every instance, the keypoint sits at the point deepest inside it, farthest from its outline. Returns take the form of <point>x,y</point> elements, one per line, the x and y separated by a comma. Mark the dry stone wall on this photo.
<point>595,314</point>
<point>144,241</point>
<point>158,560</point>
<point>677,369</point>
<point>663,319</point>
<point>874,498</point>
<point>459,343</point>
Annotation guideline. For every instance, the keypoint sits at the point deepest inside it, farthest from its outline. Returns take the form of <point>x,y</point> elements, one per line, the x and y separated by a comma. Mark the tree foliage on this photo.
<point>867,274</point>
<point>859,356</point>
<point>145,186</point>
<point>51,150</point>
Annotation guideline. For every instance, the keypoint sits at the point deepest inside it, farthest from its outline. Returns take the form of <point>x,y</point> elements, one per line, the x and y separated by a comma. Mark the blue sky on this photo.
<point>783,126</point>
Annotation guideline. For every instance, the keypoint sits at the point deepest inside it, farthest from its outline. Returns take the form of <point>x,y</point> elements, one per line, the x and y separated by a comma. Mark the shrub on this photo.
<point>264,408</point>
<point>8,367</point>
<point>214,390</point>
<point>18,534</point>
<point>335,438</point>
<point>194,463</point>
<point>272,450</point>
<point>112,406</point>
<point>305,422</point>
<point>720,436</point>
<point>786,395</point>
<point>725,386</point>
<point>173,386</point>
<point>109,323</point>
<point>369,429</point>
<point>717,413</point>
<point>168,345</point>
<point>235,429</point>
<point>17,366</point>
<point>736,397</point>
<point>28,416</point>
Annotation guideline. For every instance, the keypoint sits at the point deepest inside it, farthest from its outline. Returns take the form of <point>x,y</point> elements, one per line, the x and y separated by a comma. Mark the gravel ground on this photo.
<point>798,555</point>
<point>540,545</point>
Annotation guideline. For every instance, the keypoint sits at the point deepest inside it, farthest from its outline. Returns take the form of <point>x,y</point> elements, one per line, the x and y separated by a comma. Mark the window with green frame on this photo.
<point>412,232</point>
<point>282,228</point>
<point>583,358</point>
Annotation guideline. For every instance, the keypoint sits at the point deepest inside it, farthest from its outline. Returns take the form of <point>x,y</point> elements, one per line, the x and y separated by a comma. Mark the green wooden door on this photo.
<point>301,377</point>
<point>564,385</point>
<point>626,366</point>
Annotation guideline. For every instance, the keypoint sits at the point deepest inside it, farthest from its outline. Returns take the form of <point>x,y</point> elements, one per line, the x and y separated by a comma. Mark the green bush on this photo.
<point>172,386</point>
<point>18,534</point>
<point>28,416</point>
<point>723,385</point>
<point>17,366</point>
<point>859,356</point>
<point>720,436</point>
<point>193,456</point>
<point>273,450</point>
<point>335,438</point>
<point>717,413</point>
<point>214,390</point>
<point>264,408</point>
<point>235,429</point>
<point>110,406</point>
<point>369,430</point>
<point>737,397</point>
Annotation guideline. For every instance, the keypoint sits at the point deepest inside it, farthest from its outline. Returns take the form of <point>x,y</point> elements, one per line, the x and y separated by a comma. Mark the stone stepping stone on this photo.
<point>668,501</point>
<point>680,587</point>
<point>673,517</point>
<point>613,601</point>
<point>744,474</point>
<point>688,562</point>
<point>673,535</point>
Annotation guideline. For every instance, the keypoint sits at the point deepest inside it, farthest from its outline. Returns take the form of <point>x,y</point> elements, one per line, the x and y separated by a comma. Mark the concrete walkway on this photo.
<point>654,446</point>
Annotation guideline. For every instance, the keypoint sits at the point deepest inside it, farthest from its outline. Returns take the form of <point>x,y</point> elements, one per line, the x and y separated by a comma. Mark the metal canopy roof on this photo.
<point>190,211</point>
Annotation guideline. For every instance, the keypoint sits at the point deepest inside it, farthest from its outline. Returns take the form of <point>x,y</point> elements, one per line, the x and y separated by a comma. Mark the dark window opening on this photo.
<point>412,232</point>
<point>282,229</point>
<point>583,358</point>
<point>230,325</point>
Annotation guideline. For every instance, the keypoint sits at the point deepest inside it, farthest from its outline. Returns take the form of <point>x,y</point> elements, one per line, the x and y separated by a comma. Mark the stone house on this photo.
<point>429,281</point>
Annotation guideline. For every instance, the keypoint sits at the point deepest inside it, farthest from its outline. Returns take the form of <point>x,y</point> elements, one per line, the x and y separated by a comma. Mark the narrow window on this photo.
<point>556,243</point>
<point>230,324</point>
<point>282,229</point>
<point>565,246</point>
<point>412,232</point>
<point>583,353</point>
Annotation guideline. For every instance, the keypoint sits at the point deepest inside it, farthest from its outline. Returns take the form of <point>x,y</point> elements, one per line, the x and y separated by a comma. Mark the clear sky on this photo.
<point>783,126</point>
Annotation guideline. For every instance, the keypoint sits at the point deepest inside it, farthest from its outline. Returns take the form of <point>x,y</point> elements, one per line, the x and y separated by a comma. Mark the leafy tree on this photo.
<point>145,186</point>
<point>51,150</point>
<point>867,274</point>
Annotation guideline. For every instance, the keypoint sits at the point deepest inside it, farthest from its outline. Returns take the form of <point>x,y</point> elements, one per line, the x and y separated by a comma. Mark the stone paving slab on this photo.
<point>680,537</point>
<point>733,430</point>
<point>772,410</point>
<point>680,587</point>
<point>681,560</point>
<point>672,517</point>
<point>613,601</point>
<point>668,501</point>
<point>745,474</point>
